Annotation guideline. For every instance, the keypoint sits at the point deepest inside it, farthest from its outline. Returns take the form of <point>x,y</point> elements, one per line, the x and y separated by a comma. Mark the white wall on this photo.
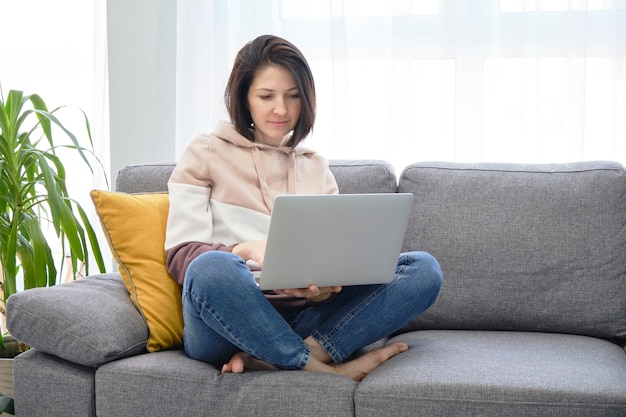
<point>142,81</point>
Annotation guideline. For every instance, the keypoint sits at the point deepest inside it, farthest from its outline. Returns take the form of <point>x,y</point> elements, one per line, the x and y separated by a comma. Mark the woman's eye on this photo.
<point>265,97</point>
<point>294,96</point>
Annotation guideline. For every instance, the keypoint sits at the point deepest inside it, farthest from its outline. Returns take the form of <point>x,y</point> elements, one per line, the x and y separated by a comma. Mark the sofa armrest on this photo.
<point>90,321</point>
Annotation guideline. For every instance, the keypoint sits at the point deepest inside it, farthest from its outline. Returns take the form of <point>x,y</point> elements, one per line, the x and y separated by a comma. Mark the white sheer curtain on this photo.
<point>57,49</point>
<point>415,80</point>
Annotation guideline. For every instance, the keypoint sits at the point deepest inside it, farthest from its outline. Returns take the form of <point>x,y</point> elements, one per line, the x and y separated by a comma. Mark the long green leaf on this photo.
<point>61,210</point>
<point>44,115</point>
<point>44,269</point>
<point>53,196</point>
<point>42,109</point>
<point>93,240</point>
<point>13,108</point>
<point>9,262</point>
<point>4,119</point>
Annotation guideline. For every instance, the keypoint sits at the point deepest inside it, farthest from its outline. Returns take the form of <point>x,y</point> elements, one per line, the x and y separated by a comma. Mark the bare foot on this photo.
<point>360,367</point>
<point>356,369</point>
<point>242,361</point>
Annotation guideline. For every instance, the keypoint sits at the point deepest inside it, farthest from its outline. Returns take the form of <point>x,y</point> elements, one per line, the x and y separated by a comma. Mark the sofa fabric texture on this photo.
<point>527,248</point>
<point>88,322</point>
<point>530,321</point>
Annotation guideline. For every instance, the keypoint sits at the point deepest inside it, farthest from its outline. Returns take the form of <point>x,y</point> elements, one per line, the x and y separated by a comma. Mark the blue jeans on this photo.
<point>225,312</point>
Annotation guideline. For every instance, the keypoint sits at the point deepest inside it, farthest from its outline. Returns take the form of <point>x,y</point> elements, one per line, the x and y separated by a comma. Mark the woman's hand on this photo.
<point>313,293</point>
<point>255,250</point>
<point>252,250</point>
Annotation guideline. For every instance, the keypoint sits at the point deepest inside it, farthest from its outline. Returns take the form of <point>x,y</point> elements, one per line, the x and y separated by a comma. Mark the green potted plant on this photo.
<point>34,198</point>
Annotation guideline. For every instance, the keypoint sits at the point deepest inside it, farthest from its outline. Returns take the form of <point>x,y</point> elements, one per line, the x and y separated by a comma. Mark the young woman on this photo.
<point>221,196</point>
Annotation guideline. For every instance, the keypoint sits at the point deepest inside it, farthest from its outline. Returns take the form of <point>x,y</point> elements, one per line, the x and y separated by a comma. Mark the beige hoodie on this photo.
<point>223,188</point>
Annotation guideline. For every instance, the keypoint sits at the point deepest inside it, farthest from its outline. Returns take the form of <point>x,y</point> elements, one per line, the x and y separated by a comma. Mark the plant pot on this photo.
<point>11,349</point>
<point>6,376</point>
<point>6,381</point>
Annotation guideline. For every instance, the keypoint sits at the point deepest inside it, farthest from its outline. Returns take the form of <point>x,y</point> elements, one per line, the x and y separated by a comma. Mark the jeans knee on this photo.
<point>212,269</point>
<point>428,271</point>
<point>432,265</point>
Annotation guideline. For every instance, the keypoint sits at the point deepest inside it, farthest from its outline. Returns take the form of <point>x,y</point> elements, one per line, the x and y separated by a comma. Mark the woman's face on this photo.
<point>274,103</point>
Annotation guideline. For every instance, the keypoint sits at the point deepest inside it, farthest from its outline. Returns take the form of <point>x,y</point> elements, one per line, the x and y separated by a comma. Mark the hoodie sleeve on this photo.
<point>331,183</point>
<point>179,257</point>
<point>189,231</point>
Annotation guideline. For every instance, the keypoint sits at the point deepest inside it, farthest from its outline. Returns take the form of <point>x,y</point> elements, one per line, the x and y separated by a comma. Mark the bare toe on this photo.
<point>242,361</point>
<point>235,365</point>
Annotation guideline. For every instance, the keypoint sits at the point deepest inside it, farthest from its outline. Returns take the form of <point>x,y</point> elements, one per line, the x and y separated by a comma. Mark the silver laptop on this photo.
<point>341,239</point>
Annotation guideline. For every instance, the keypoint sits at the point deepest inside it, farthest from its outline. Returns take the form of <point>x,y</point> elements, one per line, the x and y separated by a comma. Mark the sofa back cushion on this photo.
<point>353,177</point>
<point>523,247</point>
<point>144,178</point>
<point>364,176</point>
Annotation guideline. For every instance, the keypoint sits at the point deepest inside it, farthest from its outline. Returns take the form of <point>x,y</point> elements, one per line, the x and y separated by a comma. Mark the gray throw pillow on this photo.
<point>89,321</point>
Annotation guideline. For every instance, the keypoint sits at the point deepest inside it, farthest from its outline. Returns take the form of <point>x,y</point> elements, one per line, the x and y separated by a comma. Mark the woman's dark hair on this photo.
<point>258,54</point>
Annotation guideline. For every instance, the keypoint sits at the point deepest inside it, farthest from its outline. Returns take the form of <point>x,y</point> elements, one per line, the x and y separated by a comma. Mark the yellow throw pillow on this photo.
<point>134,225</point>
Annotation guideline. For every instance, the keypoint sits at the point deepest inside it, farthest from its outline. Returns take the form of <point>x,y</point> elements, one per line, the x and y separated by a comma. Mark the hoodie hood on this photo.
<point>263,157</point>
<point>226,131</point>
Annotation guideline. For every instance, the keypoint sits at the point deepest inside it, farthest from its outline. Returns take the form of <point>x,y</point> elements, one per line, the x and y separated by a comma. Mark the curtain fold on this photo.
<point>409,80</point>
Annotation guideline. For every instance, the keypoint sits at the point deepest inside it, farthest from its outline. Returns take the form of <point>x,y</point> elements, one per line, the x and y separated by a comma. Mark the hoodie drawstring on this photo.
<point>268,196</point>
<point>268,199</point>
<point>291,174</point>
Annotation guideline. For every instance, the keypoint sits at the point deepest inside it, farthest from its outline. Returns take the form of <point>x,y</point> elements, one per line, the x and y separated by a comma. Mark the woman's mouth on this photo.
<point>279,123</point>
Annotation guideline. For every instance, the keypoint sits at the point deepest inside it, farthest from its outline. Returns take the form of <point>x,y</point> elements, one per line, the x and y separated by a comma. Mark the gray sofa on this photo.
<point>530,321</point>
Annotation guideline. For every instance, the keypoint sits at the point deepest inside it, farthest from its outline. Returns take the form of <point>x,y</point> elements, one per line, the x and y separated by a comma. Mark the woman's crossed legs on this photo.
<point>230,323</point>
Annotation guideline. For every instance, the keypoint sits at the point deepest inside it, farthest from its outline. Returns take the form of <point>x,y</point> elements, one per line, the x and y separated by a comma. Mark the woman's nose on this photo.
<point>280,107</point>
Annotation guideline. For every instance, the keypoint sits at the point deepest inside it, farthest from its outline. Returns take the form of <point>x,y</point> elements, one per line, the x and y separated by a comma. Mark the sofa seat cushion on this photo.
<point>497,374</point>
<point>523,247</point>
<point>169,383</point>
<point>89,322</point>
